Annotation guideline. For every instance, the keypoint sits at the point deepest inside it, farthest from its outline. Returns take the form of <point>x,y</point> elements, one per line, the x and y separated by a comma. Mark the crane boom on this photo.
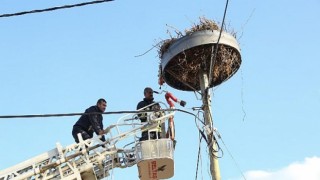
<point>88,159</point>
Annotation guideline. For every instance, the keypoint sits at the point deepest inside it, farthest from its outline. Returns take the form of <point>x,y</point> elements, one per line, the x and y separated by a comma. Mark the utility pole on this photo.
<point>213,151</point>
<point>187,56</point>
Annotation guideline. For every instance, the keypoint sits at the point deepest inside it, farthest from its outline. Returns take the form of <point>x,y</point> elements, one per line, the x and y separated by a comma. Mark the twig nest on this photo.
<point>182,59</point>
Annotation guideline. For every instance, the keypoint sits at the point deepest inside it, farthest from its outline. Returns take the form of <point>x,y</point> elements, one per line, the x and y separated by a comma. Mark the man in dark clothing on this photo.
<point>147,100</point>
<point>87,124</point>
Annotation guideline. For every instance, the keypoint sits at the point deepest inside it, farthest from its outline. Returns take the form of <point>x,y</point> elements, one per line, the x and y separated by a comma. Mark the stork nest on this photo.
<point>204,24</point>
<point>182,71</point>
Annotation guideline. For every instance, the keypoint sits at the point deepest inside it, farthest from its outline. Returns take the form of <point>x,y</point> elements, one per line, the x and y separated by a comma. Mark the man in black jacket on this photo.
<point>148,100</point>
<point>89,123</point>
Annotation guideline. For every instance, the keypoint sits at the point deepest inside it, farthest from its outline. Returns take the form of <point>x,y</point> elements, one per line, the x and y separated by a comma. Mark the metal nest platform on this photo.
<point>190,55</point>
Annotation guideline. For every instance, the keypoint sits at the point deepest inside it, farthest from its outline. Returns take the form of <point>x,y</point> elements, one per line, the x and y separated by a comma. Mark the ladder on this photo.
<point>89,159</point>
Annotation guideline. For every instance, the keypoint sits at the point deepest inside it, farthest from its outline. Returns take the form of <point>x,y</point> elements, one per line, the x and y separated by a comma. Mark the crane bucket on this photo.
<point>155,159</point>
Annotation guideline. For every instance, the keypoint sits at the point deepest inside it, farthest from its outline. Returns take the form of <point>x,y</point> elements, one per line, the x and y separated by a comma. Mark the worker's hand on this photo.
<point>101,132</point>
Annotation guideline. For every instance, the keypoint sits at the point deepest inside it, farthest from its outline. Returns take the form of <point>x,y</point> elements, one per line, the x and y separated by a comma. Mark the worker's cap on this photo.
<point>147,90</point>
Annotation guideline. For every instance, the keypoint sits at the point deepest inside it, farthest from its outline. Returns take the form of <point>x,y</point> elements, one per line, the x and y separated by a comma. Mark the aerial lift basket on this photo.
<point>155,159</point>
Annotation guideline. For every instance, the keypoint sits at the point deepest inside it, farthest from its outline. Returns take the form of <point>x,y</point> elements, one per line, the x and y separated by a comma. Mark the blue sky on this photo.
<point>63,61</point>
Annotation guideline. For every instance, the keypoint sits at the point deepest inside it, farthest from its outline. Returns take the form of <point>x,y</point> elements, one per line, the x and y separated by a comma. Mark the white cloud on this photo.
<point>309,169</point>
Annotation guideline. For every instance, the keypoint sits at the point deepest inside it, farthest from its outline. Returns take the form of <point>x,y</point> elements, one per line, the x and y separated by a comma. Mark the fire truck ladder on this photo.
<point>92,159</point>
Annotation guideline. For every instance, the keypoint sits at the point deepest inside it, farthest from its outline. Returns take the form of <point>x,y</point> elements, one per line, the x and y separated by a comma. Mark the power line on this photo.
<point>242,101</point>
<point>199,151</point>
<point>79,114</point>
<point>234,160</point>
<point>76,114</point>
<point>214,56</point>
<point>54,8</point>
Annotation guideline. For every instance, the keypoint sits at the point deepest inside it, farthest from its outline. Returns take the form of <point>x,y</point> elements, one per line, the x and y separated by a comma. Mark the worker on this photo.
<point>148,100</point>
<point>89,123</point>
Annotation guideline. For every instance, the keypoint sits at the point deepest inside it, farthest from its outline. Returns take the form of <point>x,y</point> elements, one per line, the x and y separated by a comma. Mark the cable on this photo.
<point>53,8</point>
<point>218,134</point>
<point>75,114</point>
<point>217,151</point>
<point>242,101</point>
<point>213,140</point>
<point>217,46</point>
<point>199,149</point>
<point>79,114</point>
<point>198,114</point>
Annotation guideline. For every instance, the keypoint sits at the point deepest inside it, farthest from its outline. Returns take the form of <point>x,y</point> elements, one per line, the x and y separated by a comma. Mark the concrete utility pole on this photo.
<point>206,100</point>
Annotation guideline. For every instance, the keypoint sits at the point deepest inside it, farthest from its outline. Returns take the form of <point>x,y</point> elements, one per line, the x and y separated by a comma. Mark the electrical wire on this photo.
<point>198,114</point>
<point>75,114</point>
<point>120,112</point>
<point>54,8</point>
<point>214,140</point>
<point>214,56</point>
<point>242,99</point>
<point>79,114</point>
<point>233,159</point>
<point>219,149</point>
<point>209,144</point>
<point>199,149</point>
